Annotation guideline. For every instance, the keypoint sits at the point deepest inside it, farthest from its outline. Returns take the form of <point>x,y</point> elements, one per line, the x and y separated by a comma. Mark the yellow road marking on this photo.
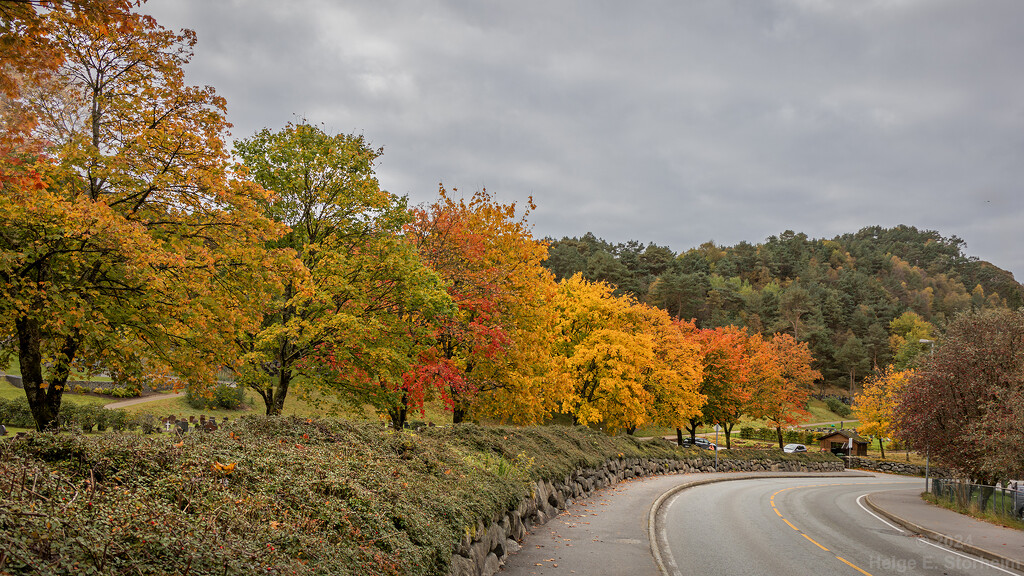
<point>840,558</point>
<point>852,565</point>
<point>813,542</point>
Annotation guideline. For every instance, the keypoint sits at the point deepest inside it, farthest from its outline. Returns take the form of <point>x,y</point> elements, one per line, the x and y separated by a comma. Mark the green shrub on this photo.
<point>77,417</point>
<point>124,392</point>
<point>15,412</point>
<point>148,423</point>
<point>103,416</point>
<point>838,407</point>
<point>121,420</point>
<point>223,395</point>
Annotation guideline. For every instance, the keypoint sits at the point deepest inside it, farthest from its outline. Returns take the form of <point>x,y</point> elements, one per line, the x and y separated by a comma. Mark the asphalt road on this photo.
<point>798,526</point>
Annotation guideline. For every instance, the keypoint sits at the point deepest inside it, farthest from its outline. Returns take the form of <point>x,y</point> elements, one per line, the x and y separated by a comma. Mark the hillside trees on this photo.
<point>907,332</point>
<point>962,404</point>
<point>133,249</point>
<point>838,295</point>
<point>350,320</point>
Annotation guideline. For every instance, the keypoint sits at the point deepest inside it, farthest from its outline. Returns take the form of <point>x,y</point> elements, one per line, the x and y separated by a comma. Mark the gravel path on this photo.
<point>134,401</point>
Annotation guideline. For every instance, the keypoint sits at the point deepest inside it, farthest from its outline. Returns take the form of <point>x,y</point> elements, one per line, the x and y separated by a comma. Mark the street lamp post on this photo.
<point>927,450</point>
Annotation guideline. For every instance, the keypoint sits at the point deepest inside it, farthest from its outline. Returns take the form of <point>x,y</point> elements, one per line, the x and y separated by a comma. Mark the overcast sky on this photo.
<point>673,122</point>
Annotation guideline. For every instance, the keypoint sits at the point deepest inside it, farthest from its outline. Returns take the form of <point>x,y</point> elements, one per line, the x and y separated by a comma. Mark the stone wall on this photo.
<point>894,467</point>
<point>485,546</point>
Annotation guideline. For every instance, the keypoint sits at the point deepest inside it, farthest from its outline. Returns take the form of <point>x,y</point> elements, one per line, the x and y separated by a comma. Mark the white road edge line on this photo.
<point>930,543</point>
<point>880,519</point>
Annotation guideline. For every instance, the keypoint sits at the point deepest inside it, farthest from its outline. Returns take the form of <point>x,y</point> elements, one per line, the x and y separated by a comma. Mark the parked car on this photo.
<point>1017,492</point>
<point>699,443</point>
<point>794,448</point>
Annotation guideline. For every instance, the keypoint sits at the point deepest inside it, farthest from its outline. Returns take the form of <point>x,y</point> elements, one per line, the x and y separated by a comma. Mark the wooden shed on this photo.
<point>840,439</point>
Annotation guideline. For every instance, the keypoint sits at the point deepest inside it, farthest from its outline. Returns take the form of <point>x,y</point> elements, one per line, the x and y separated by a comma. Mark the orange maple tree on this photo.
<point>783,378</point>
<point>725,357</point>
<point>126,245</point>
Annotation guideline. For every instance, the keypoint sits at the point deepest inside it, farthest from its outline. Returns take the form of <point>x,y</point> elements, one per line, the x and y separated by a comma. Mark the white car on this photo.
<point>794,448</point>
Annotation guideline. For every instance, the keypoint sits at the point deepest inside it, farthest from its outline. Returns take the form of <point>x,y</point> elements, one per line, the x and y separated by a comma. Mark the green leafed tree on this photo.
<point>349,320</point>
<point>907,332</point>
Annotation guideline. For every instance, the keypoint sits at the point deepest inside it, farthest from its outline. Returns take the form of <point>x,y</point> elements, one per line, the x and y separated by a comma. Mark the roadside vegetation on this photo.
<point>974,510</point>
<point>281,495</point>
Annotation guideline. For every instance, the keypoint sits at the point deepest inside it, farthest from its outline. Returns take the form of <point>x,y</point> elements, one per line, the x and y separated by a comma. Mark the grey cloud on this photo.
<point>672,122</point>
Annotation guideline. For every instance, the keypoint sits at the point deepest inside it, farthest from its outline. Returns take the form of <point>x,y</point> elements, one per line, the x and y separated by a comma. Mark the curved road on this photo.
<point>798,526</point>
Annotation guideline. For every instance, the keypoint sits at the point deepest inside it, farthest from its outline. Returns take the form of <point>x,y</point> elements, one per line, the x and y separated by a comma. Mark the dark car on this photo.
<point>699,443</point>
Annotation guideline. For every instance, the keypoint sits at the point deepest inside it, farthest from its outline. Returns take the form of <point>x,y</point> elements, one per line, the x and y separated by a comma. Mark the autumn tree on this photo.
<point>725,358</point>
<point>628,364</point>
<point>784,377</point>
<point>491,266</point>
<point>874,407</point>
<point>959,406</point>
<point>28,48</point>
<point>347,322</point>
<point>135,252</point>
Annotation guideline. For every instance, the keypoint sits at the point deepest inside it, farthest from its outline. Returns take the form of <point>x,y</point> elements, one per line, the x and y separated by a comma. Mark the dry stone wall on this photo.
<point>894,467</point>
<point>484,547</point>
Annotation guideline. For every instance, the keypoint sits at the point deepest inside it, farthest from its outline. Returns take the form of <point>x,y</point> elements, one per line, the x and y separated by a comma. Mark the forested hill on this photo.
<point>840,295</point>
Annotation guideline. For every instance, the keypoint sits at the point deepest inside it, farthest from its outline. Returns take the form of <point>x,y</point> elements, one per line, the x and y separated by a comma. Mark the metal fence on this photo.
<point>999,500</point>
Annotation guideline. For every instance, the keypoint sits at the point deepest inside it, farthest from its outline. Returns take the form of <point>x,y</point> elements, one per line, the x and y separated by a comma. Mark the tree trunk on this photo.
<point>275,397</point>
<point>778,431</point>
<point>44,399</point>
<point>692,429</point>
<point>881,447</point>
<point>728,435</point>
<point>399,414</point>
<point>458,413</point>
<point>679,436</point>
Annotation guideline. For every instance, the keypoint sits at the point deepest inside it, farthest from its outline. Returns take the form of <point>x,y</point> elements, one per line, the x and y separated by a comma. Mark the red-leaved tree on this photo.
<point>963,405</point>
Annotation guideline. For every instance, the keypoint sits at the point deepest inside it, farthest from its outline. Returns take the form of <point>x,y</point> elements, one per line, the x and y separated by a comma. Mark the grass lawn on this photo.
<point>9,392</point>
<point>14,369</point>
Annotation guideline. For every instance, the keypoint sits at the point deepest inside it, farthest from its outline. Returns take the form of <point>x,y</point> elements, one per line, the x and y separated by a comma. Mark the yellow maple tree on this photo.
<point>876,404</point>
<point>627,363</point>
